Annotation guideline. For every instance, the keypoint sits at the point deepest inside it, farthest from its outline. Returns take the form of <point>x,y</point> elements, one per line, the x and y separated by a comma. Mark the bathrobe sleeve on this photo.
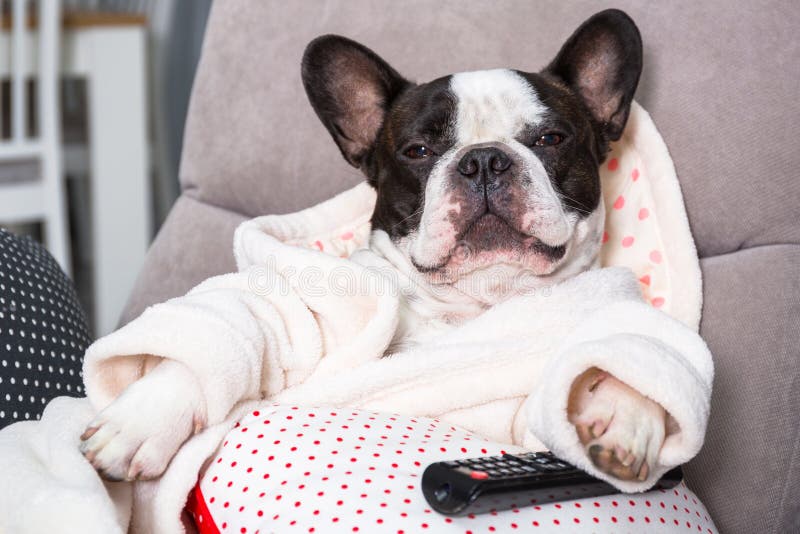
<point>239,342</point>
<point>648,350</point>
<point>247,335</point>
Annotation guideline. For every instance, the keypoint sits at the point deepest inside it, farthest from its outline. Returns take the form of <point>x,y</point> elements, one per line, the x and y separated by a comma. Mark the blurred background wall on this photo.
<point>124,66</point>
<point>175,35</point>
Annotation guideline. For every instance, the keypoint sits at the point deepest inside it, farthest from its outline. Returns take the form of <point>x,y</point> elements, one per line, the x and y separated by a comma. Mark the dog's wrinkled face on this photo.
<point>489,168</point>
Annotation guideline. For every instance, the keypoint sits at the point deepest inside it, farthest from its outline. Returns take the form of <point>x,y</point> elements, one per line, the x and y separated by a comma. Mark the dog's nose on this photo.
<point>484,162</point>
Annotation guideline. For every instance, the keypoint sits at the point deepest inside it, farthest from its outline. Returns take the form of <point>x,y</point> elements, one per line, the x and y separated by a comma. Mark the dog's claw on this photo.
<point>602,375</point>
<point>599,428</point>
<point>198,425</point>
<point>629,459</point>
<point>89,432</point>
<point>644,471</point>
<point>133,472</point>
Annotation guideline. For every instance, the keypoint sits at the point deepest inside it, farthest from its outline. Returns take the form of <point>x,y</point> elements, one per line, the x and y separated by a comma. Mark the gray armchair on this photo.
<point>721,82</point>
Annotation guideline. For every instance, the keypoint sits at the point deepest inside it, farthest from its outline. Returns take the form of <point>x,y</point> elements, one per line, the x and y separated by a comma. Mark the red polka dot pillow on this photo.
<point>288,469</point>
<point>646,225</point>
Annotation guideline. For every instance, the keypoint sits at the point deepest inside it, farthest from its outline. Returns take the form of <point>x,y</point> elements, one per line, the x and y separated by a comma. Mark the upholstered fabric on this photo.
<point>748,473</point>
<point>720,81</point>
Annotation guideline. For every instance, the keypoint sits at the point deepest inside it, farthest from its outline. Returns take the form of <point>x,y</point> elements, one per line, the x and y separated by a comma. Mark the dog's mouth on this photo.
<point>492,232</point>
<point>490,239</point>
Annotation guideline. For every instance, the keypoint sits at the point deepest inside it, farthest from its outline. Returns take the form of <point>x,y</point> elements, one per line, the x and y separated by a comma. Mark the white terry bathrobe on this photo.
<point>302,326</point>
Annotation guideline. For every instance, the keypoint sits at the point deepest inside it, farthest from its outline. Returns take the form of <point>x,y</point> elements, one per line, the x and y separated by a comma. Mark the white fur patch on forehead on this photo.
<point>493,105</point>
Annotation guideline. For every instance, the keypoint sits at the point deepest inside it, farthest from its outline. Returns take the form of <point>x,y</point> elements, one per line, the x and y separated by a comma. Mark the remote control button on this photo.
<point>529,469</point>
<point>451,464</point>
<point>494,473</point>
<point>479,475</point>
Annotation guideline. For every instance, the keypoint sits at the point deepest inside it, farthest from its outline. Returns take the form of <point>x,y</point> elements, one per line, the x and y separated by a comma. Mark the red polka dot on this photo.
<point>655,256</point>
<point>605,237</point>
<point>619,203</point>
<point>646,281</point>
<point>613,165</point>
<point>627,241</point>
<point>635,174</point>
<point>657,302</point>
<point>643,214</point>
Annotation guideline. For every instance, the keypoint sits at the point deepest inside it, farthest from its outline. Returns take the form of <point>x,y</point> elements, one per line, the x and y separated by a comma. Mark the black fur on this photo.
<point>588,89</point>
<point>602,62</point>
<point>351,89</point>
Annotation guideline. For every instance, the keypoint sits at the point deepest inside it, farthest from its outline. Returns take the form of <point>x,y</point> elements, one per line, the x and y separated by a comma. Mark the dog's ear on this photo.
<point>602,62</point>
<point>351,89</point>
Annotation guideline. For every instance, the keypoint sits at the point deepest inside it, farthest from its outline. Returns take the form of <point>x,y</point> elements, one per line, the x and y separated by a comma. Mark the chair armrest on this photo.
<point>748,472</point>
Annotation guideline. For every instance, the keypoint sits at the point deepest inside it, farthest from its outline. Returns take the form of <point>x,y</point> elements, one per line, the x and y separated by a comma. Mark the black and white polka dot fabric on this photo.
<point>43,331</point>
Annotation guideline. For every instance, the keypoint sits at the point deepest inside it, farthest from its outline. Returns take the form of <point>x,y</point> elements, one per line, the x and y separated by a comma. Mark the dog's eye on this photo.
<point>417,152</point>
<point>549,139</point>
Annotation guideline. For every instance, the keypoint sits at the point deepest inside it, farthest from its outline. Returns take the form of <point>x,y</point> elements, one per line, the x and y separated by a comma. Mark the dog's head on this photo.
<point>487,168</point>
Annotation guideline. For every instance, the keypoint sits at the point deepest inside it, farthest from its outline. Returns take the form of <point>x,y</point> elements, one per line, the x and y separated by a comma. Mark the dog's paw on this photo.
<point>137,435</point>
<point>621,429</point>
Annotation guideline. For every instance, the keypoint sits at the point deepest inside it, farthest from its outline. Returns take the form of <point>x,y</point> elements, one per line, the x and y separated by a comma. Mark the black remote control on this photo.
<point>493,483</point>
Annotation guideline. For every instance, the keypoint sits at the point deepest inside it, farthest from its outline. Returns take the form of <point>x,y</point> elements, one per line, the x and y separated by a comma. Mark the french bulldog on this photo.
<point>481,177</point>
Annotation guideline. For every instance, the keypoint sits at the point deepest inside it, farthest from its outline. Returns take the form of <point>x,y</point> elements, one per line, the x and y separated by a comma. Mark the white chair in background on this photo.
<point>42,197</point>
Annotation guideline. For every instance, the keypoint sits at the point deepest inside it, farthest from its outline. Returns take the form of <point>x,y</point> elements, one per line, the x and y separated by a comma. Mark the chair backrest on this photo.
<point>35,54</point>
<point>253,144</point>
